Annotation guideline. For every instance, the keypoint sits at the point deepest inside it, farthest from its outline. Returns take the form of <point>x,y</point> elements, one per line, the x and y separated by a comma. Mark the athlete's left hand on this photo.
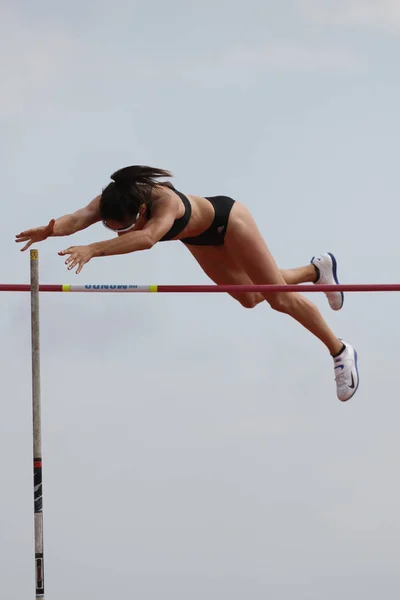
<point>78,256</point>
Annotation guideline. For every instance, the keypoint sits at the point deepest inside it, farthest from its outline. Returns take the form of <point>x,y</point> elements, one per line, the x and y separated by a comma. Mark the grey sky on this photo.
<point>193,449</point>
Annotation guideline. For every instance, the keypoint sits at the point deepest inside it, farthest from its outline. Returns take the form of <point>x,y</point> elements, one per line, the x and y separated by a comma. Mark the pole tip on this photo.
<point>34,254</point>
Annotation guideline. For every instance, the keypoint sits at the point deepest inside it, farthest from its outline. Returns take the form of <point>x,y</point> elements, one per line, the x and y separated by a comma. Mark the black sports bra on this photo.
<point>179,224</point>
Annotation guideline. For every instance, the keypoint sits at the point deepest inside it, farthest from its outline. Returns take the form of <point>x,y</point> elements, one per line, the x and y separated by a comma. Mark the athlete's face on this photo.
<point>122,227</point>
<point>118,226</point>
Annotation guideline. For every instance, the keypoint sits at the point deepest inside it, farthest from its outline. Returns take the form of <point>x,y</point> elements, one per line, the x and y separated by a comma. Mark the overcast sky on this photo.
<point>194,449</point>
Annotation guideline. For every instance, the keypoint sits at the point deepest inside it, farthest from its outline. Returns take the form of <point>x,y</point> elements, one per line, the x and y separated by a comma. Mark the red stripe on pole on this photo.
<point>25,287</point>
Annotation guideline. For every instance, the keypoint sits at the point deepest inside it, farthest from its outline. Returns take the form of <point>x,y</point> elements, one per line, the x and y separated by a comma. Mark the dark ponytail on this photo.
<point>132,187</point>
<point>139,174</point>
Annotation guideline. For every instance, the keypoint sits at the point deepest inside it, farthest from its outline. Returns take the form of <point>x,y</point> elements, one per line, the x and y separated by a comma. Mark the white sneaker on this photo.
<point>327,267</point>
<point>346,373</point>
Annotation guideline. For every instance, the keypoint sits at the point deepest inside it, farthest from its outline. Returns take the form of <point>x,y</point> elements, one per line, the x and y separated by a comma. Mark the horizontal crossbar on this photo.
<point>112,288</point>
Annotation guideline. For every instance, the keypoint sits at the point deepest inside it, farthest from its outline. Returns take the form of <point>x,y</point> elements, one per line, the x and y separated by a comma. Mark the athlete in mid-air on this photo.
<point>222,236</point>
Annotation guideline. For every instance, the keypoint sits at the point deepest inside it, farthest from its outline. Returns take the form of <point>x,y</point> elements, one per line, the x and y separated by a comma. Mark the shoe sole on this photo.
<point>335,277</point>
<point>358,377</point>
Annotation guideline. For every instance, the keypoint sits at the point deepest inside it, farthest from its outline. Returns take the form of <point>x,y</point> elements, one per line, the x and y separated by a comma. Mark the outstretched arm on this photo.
<point>134,241</point>
<point>80,219</point>
<point>66,225</point>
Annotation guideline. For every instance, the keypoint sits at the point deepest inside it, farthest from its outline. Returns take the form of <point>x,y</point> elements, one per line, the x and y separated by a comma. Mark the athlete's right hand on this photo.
<point>31,236</point>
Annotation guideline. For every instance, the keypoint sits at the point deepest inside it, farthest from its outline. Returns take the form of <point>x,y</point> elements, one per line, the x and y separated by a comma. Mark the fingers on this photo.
<point>30,233</point>
<point>24,238</point>
<point>31,236</point>
<point>75,259</point>
<point>72,262</point>
<point>26,245</point>
<point>73,255</point>
<point>37,234</point>
<point>26,233</point>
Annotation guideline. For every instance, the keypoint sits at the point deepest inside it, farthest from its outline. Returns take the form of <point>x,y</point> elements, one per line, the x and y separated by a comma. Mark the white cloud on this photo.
<point>382,14</point>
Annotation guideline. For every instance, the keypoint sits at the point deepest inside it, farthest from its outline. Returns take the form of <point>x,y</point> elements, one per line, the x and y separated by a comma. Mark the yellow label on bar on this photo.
<point>34,254</point>
<point>153,288</point>
<point>66,287</point>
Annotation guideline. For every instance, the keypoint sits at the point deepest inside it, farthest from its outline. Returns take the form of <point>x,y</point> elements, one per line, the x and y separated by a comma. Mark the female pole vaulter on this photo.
<point>223,238</point>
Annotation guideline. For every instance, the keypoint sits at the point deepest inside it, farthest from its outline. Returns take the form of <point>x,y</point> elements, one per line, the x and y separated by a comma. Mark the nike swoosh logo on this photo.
<point>340,367</point>
<point>352,386</point>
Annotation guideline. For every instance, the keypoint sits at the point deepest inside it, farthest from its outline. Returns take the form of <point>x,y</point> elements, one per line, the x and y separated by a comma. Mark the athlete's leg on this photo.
<point>222,269</point>
<point>225,270</point>
<point>246,244</point>
<point>299,275</point>
<point>321,270</point>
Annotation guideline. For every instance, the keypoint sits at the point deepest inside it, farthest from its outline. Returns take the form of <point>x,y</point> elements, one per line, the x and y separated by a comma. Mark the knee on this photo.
<point>284,302</point>
<point>250,300</point>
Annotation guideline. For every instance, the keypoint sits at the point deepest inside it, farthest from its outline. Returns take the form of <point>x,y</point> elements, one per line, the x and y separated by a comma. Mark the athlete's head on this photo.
<point>128,196</point>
